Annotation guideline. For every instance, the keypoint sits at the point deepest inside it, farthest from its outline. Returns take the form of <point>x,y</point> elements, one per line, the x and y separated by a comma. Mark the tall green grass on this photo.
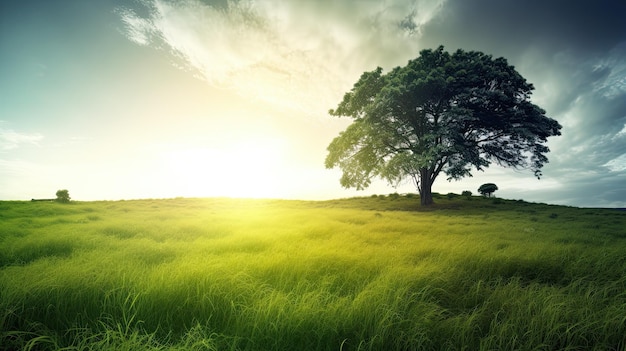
<point>374,273</point>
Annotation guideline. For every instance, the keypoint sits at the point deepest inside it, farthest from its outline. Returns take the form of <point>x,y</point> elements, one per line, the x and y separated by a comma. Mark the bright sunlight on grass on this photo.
<point>374,273</point>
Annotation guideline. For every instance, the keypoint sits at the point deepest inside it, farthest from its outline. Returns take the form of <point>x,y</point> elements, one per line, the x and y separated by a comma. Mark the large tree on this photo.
<point>441,112</point>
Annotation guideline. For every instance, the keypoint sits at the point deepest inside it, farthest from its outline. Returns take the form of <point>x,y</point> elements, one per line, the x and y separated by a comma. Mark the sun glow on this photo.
<point>248,169</point>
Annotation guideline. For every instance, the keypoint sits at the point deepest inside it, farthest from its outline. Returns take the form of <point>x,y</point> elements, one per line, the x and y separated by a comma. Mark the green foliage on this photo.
<point>350,274</point>
<point>63,196</point>
<point>487,189</point>
<point>440,113</point>
<point>466,193</point>
<point>394,196</point>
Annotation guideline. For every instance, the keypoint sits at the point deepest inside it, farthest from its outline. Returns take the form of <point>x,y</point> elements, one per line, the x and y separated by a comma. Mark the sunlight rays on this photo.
<point>248,169</point>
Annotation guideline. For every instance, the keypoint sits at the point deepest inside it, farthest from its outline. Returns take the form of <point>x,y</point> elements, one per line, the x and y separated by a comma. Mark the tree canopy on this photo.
<point>63,196</point>
<point>441,112</point>
<point>487,189</point>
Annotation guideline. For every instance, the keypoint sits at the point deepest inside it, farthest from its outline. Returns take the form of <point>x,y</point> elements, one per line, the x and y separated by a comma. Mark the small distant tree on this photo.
<point>63,196</point>
<point>487,189</point>
<point>466,193</point>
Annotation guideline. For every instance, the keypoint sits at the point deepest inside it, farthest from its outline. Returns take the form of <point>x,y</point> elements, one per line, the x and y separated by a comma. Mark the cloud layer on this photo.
<point>297,55</point>
<point>301,56</point>
<point>10,139</point>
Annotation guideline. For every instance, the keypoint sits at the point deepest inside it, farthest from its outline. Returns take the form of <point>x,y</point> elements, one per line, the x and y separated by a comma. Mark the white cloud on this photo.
<point>617,164</point>
<point>10,139</point>
<point>621,133</point>
<point>615,64</point>
<point>300,56</point>
<point>138,30</point>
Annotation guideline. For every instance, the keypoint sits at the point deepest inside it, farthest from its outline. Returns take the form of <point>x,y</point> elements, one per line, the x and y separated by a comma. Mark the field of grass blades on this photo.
<point>375,273</point>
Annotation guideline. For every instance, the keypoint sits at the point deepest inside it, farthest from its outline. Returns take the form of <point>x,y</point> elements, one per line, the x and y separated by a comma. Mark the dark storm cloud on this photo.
<point>590,155</point>
<point>574,53</point>
<point>513,26</point>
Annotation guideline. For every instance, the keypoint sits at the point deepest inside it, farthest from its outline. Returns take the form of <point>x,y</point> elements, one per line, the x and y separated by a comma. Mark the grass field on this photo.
<point>375,273</point>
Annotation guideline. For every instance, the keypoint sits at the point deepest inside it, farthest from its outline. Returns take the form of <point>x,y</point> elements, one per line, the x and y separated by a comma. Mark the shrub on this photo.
<point>466,193</point>
<point>63,196</point>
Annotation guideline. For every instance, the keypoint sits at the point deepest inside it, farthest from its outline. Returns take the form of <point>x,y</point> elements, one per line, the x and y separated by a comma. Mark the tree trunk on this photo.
<point>425,188</point>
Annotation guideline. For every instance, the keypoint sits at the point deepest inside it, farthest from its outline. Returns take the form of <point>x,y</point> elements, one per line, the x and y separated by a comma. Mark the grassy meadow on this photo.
<point>375,273</point>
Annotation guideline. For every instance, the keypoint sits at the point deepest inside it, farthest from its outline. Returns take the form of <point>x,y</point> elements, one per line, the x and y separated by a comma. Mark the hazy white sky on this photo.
<point>152,98</point>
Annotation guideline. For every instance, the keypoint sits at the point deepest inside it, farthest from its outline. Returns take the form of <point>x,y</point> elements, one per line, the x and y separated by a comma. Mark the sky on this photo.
<point>128,99</point>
